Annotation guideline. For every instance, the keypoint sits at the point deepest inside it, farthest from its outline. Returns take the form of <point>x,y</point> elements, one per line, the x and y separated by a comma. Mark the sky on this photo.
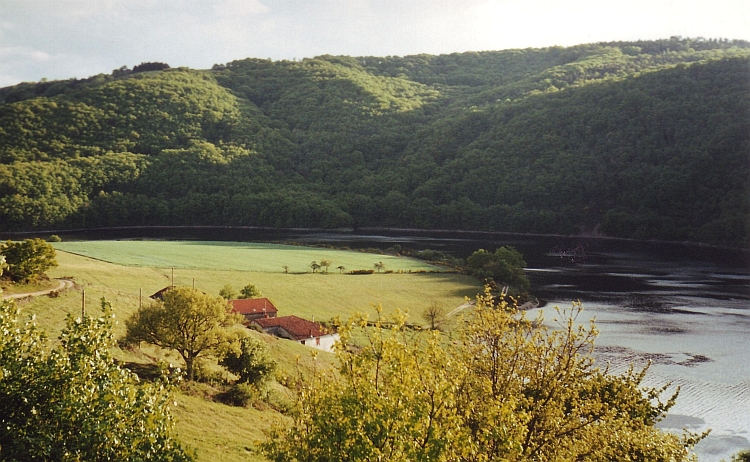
<point>60,39</point>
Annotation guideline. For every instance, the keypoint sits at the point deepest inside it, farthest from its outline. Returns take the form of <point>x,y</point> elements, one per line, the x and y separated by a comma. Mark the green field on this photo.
<point>236,256</point>
<point>121,270</point>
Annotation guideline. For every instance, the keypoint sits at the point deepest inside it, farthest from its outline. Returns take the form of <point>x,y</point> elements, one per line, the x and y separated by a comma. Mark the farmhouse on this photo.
<point>254,308</point>
<point>159,295</point>
<point>301,330</point>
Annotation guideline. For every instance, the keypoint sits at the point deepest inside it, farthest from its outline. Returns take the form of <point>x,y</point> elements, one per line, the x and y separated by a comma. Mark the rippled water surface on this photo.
<point>685,309</point>
<point>689,315</point>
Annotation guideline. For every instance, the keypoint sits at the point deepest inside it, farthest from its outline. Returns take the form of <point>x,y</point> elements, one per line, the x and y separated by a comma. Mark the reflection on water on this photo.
<point>688,315</point>
<point>685,309</point>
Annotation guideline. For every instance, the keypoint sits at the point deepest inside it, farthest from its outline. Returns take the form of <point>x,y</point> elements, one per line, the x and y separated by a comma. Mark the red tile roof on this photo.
<point>296,327</point>
<point>253,306</point>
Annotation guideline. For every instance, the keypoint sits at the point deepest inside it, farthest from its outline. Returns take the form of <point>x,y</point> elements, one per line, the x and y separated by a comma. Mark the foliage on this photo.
<point>227,292</point>
<point>26,261</point>
<point>185,320</point>
<point>153,66</point>
<point>72,402</point>
<point>240,394</point>
<point>449,142</point>
<point>250,291</point>
<point>742,456</point>
<point>505,266</point>
<point>251,363</point>
<point>508,388</point>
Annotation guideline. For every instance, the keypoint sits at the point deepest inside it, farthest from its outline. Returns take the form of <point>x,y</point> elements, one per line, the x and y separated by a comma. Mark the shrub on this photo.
<point>240,395</point>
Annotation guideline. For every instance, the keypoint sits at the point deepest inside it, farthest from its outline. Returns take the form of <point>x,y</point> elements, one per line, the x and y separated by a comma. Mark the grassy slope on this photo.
<point>220,432</point>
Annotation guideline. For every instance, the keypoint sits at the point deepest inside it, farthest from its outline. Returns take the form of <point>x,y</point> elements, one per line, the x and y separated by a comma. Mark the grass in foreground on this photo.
<point>217,431</point>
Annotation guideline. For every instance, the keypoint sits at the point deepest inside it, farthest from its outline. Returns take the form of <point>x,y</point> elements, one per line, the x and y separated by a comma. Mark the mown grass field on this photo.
<point>121,270</point>
<point>237,256</point>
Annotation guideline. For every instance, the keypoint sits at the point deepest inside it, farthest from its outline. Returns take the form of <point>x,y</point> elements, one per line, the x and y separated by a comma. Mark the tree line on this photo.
<point>643,139</point>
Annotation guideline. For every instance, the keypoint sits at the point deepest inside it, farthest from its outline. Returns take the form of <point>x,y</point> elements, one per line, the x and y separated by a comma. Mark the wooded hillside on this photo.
<point>648,140</point>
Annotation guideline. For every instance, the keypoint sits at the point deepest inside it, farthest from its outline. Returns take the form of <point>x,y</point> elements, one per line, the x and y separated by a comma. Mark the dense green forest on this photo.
<point>647,140</point>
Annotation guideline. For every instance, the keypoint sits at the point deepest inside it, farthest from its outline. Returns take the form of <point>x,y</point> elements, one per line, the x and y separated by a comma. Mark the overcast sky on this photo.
<point>58,39</point>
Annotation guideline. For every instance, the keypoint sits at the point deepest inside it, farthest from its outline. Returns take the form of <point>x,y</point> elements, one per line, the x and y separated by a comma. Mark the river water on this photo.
<point>686,309</point>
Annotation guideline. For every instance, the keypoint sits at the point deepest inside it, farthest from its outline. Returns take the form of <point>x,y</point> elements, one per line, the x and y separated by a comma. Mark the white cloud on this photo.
<point>24,53</point>
<point>239,8</point>
<point>101,35</point>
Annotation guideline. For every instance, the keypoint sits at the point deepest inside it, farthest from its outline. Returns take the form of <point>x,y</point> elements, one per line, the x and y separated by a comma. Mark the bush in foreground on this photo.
<point>71,401</point>
<point>505,388</point>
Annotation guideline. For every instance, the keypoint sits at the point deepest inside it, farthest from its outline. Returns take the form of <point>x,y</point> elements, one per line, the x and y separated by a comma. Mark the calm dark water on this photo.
<point>684,308</point>
<point>637,275</point>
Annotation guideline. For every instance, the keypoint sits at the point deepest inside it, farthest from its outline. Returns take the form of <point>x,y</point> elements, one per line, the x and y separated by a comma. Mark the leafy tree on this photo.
<point>286,269</point>
<point>250,291</point>
<point>150,66</point>
<point>71,401</point>
<point>507,388</point>
<point>742,456</point>
<point>341,268</point>
<point>251,363</point>
<point>28,260</point>
<point>505,266</point>
<point>393,401</point>
<point>315,266</point>
<point>325,264</point>
<point>227,292</point>
<point>185,320</point>
<point>435,316</point>
<point>379,266</point>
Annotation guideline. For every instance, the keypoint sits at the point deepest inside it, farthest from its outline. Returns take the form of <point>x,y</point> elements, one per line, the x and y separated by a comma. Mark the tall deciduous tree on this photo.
<point>250,291</point>
<point>507,388</point>
<point>28,260</point>
<point>70,401</point>
<point>505,266</point>
<point>188,321</point>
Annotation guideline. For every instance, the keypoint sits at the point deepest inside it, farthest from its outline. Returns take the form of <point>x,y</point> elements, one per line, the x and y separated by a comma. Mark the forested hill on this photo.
<point>647,140</point>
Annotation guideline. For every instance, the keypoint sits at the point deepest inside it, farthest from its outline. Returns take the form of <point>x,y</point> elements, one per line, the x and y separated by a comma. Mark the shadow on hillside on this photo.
<point>147,372</point>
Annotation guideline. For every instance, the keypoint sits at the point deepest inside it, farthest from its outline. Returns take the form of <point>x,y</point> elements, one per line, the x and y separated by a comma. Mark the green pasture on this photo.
<point>236,256</point>
<point>121,271</point>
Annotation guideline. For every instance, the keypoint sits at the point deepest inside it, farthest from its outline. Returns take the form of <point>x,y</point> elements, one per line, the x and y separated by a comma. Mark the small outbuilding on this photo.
<point>301,330</point>
<point>159,295</point>
<point>254,308</point>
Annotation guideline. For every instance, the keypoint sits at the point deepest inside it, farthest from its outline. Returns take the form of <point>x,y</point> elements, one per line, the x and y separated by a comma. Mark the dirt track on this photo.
<point>62,285</point>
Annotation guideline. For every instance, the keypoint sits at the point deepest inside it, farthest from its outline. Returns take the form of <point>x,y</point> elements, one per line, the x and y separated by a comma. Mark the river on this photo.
<point>684,308</point>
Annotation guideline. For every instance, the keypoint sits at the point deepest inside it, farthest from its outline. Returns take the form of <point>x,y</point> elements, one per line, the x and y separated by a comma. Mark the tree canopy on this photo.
<point>28,260</point>
<point>70,400</point>
<point>188,321</point>
<point>504,388</point>
<point>505,267</point>
<point>641,139</point>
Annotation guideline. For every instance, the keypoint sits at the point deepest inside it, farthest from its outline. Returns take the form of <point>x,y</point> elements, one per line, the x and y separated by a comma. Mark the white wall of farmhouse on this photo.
<point>324,343</point>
